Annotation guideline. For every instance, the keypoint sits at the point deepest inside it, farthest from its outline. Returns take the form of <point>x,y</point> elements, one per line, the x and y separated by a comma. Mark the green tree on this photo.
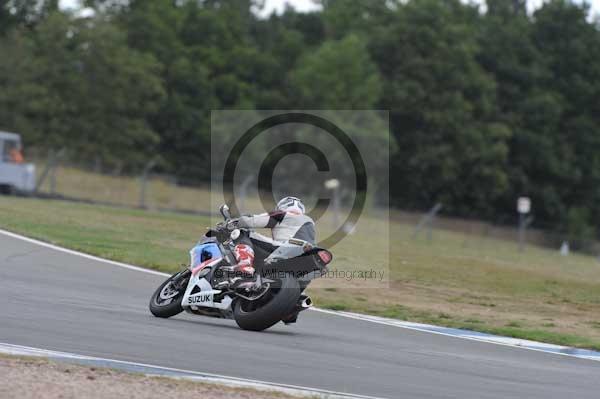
<point>338,75</point>
<point>508,52</point>
<point>26,105</point>
<point>120,90</point>
<point>37,71</point>
<point>205,53</point>
<point>571,48</point>
<point>77,85</point>
<point>343,17</point>
<point>451,148</point>
<point>24,12</point>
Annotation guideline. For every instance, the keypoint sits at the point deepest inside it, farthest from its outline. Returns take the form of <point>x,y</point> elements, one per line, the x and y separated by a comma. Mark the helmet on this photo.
<point>291,204</point>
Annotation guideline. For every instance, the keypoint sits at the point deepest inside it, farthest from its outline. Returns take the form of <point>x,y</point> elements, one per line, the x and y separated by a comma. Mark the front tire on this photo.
<point>259,315</point>
<point>166,300</point>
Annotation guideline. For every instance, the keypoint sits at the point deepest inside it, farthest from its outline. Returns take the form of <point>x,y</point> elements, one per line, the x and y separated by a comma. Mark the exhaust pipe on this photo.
<point>305,302</point>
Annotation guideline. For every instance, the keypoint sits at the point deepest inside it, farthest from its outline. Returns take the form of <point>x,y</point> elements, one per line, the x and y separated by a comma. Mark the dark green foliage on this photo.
<point>484,106</point>
<point>70,84</point>
<point>338,75</point>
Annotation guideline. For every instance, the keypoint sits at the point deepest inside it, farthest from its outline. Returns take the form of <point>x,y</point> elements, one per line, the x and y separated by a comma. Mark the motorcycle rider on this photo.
<point>287,221</point>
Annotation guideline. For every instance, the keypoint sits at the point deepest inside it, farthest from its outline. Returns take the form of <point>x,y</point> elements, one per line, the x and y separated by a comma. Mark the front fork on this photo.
<point>180,280</point>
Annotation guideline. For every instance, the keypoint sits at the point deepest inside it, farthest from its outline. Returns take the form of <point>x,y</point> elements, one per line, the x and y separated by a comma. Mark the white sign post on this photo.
<point>334,186</point>
<point>523,207</point>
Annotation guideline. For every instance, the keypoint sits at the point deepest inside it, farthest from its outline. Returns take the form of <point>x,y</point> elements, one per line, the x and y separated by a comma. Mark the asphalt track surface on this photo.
<point>58,301</point>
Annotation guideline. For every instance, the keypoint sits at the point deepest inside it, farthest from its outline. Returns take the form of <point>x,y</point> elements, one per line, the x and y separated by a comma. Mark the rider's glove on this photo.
<point>233,224</point>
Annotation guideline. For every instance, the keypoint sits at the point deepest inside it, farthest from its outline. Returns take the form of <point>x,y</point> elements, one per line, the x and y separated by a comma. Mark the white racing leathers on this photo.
<point>283,225</point>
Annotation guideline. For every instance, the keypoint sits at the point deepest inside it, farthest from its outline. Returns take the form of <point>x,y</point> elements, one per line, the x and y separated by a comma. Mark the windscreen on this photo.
<point>11,151</point>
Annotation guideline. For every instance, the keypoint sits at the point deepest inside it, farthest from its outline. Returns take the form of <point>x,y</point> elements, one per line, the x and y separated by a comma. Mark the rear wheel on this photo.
<point>268,310</point>
<point>166,300</point>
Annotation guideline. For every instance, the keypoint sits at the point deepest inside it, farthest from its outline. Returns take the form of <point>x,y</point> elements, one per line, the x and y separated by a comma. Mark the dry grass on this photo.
<point>486,286</point>
<point>125,190</point>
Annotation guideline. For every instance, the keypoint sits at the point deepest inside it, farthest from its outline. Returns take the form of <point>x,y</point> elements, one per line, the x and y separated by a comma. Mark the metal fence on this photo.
<point>476,232</point>
<point>59,176</point>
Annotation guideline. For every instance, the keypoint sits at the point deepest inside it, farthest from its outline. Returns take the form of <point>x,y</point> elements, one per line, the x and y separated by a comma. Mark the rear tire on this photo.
<point>283,299</point>
<point>170,309</point>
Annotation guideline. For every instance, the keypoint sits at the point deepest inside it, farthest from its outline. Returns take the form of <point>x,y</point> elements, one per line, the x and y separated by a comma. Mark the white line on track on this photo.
<point>449,332</point>
<point>472,335</point>
<point>81,254</point>
<point>169,372</point>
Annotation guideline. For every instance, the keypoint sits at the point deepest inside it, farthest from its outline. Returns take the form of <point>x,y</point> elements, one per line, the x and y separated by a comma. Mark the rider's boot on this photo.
<point>242,273</point>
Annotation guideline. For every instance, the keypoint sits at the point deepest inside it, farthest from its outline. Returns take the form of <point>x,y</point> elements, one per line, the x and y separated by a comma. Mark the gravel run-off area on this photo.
<point>29,378</point>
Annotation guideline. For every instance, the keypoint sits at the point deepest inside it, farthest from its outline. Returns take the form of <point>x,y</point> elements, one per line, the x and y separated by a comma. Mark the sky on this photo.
<point>309,5</point>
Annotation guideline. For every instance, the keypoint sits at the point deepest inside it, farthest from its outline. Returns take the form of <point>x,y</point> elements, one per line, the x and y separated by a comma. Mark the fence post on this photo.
<point>50,169</point>
<point>53,180</point>
<point>524,222</point>
<point>427,221</point>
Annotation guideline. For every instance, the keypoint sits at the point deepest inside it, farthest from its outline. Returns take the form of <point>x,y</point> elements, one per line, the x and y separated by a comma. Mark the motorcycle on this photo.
<point>210,287</point>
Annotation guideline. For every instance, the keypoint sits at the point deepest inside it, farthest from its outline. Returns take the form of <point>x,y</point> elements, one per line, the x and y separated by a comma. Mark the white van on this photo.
<point>15,175</point>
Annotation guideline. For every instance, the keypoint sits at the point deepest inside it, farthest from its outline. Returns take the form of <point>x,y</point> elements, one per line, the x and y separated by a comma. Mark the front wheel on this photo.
<point>267,311</point>
<point>166,300</point>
